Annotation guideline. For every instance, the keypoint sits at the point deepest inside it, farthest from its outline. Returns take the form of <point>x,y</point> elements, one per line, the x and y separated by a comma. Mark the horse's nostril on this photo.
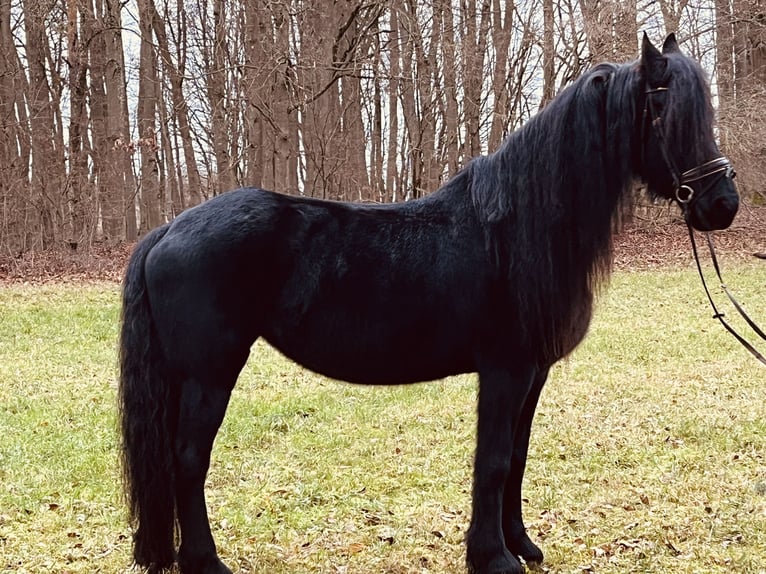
<point>723,210</point>
<point>727,204</point>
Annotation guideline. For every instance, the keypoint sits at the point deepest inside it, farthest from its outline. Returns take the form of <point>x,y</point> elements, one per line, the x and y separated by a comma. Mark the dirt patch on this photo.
<point>656,238</point>
<point>99,263</point>
<point>662,240</point>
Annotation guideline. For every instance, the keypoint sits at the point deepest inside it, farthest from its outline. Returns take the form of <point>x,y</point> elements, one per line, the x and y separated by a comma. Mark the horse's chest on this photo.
<point>573,327</point>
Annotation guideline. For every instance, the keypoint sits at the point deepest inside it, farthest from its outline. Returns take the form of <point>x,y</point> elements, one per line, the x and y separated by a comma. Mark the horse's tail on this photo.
<point>146,411</point>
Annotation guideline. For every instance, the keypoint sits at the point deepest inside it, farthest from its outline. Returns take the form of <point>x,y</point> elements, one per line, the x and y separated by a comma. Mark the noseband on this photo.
<point>706,175</point>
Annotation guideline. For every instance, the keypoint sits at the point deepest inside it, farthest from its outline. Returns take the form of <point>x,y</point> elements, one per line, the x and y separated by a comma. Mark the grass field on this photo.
<point>648,451</point>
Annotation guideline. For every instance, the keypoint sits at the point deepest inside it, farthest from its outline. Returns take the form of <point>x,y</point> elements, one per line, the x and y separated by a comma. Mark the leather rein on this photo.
<point>709,172</point>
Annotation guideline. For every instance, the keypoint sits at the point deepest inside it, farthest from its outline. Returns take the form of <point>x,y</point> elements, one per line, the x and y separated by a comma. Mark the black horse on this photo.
<point>493,273</point>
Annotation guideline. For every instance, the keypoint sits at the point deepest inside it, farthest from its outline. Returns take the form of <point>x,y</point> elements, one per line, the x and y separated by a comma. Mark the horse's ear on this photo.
<point>648,52</point>
<point>653,62</point>
<point>670,45</point>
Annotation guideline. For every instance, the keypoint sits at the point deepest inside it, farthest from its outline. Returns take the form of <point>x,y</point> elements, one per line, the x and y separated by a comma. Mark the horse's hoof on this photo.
<point>520,545</point>
<point>503,564</point>
<point>207,565</point>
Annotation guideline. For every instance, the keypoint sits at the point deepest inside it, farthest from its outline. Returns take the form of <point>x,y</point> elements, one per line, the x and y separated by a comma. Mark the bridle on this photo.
<point>705,175</point>
<point>684,184</point>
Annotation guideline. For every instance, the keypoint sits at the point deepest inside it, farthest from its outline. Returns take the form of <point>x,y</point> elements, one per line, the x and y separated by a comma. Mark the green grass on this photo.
<point>647,451</point>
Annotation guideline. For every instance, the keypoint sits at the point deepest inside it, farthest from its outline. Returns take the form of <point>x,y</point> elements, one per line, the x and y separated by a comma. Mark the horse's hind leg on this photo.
<point>516,538</point>
<point>201,410</point>
<point>203,399</point>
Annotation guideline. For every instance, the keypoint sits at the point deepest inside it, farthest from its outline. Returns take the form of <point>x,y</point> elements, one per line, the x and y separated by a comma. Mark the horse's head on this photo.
<point>680,157</point>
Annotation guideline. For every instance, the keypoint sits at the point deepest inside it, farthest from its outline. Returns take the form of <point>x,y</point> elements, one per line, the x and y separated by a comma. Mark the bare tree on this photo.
<point>724,67</point>
<point>741,72</point>
<point>523,68</point>
<point>319,98</point>
<point>611,28</point>
<point>394,177</point>
<point>672,10</point>
<point>347,99</point>
<point>549,54</point>
<point>77,182</point>
<point>14,147</point>
<point>474,54</point>
<point>116,186</point>
<point>377,143</point>
<point>450,138</point>
<point>191,193</point>
<point>285,113</point>
<point>146,114</point>
<point>502,31</point>
<point>47,165</point>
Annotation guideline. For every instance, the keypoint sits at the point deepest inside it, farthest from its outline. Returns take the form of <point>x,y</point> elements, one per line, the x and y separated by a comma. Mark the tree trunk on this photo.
<point>13,145</point>
<point>74,232</point>
<point>270,117</point>
<point>672,12</point>
<point>724,68</point>
<point>285,115</point>
<point>111,127</point>
<point>258,46</point>
<point>501,39</point>
<point>451,143</point>
<point>394,183</point>
<point>474,50</point>
<point>47,162</point>
<point>413,166</point>
<point>611,28</point>
<point>429,89</point>
<point>549,55</point>
<point>180,110</point>
<point>146,113</point>
<point>216,78</point>
<point>320,99</point>
<point>626,30</point>
<point>598,29</point>
<point>355,174</point>
<point>377,171</point>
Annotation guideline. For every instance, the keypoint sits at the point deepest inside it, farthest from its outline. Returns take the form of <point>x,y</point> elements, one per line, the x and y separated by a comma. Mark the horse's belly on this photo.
<point>368,357</point>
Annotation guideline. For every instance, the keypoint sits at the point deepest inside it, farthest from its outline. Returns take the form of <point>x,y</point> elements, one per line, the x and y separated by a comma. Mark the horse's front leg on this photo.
<point>502,391</point>
<point>516,538</point>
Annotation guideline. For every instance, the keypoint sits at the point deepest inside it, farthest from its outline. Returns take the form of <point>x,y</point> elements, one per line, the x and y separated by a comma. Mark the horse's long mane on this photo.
<point>555,187</point>
<point>551,197</point>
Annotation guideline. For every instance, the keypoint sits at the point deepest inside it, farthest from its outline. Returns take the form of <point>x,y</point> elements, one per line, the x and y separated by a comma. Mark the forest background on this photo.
<point>115,116</point>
